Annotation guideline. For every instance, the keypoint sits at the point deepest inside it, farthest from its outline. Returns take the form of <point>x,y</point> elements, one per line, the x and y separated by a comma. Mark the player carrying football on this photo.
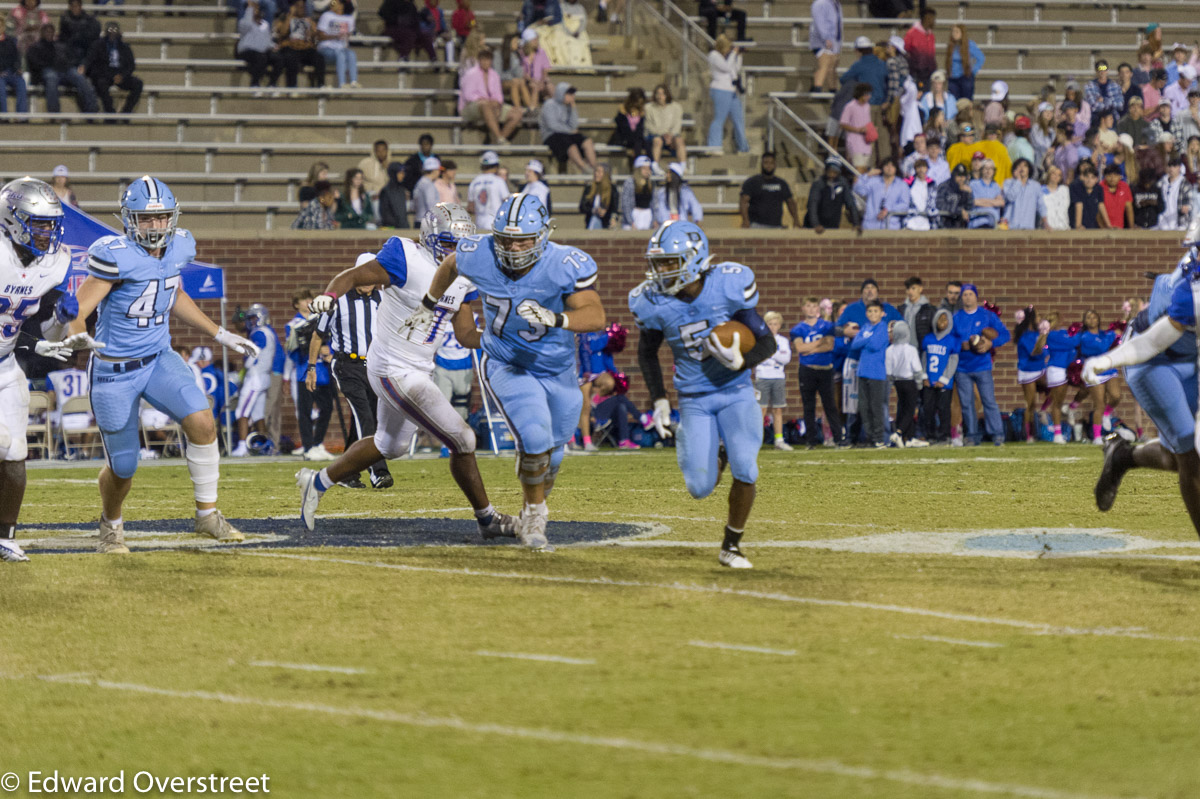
<point>135,280</point>
<point>33,267</point>
<point>535,295</point>
<point>400,362</point>
<point>684,298</point>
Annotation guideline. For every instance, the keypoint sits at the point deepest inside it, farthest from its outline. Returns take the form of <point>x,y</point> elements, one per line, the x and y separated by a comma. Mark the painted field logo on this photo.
<point>1030,542</point>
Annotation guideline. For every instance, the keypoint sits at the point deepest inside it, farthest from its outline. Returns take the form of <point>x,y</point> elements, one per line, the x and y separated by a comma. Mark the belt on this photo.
<point>121,367</point>
<point>352,356</point>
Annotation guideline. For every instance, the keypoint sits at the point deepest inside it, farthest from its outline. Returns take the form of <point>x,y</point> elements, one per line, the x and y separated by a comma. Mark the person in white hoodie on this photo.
<point>903,365</point>
<point>770,378</point>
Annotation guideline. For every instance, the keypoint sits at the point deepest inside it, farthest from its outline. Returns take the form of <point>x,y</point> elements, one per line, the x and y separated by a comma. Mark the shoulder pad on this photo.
<point>103,258</point>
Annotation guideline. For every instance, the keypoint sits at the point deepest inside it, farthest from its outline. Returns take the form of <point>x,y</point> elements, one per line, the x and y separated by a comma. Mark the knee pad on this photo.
<point>204,467</point>
<point>388,447</point>
<point>123,464</point>
<point>556,459</point>
<point>700,486</point>
<point>531,469</point>
<point>464,441</point>
<point>5,441</point>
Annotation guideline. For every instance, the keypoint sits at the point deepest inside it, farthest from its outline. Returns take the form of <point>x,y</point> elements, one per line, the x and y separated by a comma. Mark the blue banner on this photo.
<point>201,281</point>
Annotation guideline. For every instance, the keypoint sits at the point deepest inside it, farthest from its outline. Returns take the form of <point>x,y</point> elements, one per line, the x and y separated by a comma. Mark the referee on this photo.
<point>349,329</point>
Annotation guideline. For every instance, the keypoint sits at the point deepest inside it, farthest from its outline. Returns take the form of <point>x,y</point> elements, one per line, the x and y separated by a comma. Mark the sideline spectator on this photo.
<point>1041,134</point>
<point>403,26</point>
<point>856,312</point>
<point>630,120</point>
<point>393,199</point>
<point>1176,93</point>
<point>712,10</point>
<point>487,191</point>
<point>725,64</point>
<point>1024,201</point>
<point>1019,145</point>
<point>975,364</point>
<point>870,348</point>
<point>920,44</point>
<point>354,209</point>
<point>1057,199</point>
<point>1135,124</point>
<point>1147,201</point>
<point>256,46</point>
<point>637,197</point>
<point>1180,57</point>
<point>953,200</point>
<point>920,150</point>
<point>534,12</point>
<point>964,59</point>
<point>535,185</point>
<point>536,64</point>
<point>903,367</point>
<point>463,20</point>
<point>318,214</point>
<point>996,111</point>
<point>521,92</point>
<point>664,125</point>
<point>940,360</point>
<point>1189,118</point>
<point>1087,200</point>
<point>953,300</point>
<point>917,311</point>
<point>910,115</point>
<point>559,130</point>
<point>938,97</point>
<point>939,168</point>
<point>375,167</point>
<point>481,99</point>
<point>763,196</point>
<point>856,121</point>
<point>870,70</point>
<point>676,200</point>
<point>1191,160</point>
<point>60,181</point>
<point>963,152</point>
<point>813,340</point>
<point>770,379</point>
<point>568,44</point>
<point>1103,94</point>
<point>1118,199</point>
<point>297,36</point>
<point>425,194</point>
<point>317,172</point>
<point>886,197</point>
<point>1152,92</point>
<point>414,167</point>
<point>28,19</point>
<point>921,193</point>
<point>599,200</point>
<point>335,27</point>
<point>829,195</point>
<point>77,29</point>
<point>612,407</point>
<point>50,64</point>
<point>110,63</point>
<point>825,42</point>
<point>1177,197</point>
<point>987,195</point>
<point>446,186</point>
<point>434,30</point>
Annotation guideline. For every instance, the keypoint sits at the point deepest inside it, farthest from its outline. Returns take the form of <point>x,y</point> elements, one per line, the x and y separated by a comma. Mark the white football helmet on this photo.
<point>442,227</point>
<point>31,215</point>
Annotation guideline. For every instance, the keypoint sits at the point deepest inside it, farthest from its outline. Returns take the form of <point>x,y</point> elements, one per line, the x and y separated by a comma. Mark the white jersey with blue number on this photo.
<point>728,288</point>
<point>135,316</point>
<point>559,273</point>
<point>22,288</point>
<point>411,268</point>
<point>258,368</point>
<point>67,384</point>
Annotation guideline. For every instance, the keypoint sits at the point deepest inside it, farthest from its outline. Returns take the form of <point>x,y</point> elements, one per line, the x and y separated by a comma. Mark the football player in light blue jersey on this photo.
<point>536,295</point>
<point>682,301</point>
<point>1161,372</point>
<point>135,281</point>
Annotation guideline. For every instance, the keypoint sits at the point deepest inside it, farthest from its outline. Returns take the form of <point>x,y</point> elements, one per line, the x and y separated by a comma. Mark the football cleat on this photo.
<point>215,525</point>
<point>352,482</point>
<point>733,558</point>
<point>501,525</point>
<point>310,497</point>
<point>1117,454</point>
<point>112,538</point>
<point>382,480</point>
<point>531,529</point>
<point>11,552</point>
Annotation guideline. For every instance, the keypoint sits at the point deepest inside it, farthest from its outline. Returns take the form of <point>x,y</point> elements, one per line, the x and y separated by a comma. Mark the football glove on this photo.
<point>66,309</point>
<point>235,342</point>
<point>1101,363</point>
<point>730,357</point>
<point>322,303</point>
<point>418,323</point>
<point>536,314</point>
<point>53,349</point>
<point>81,341</point>
<point>662,417</point>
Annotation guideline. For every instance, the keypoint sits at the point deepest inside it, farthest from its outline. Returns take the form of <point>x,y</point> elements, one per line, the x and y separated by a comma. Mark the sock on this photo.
<point>539,509</point>
<point>200,514</point>
<point>1096,431</point>
<point>1139,432</point>
<point>732,538</point>
<point>113,522</point>
<point>204,467</point>
<point>1046,404</point>
<point>484,516</point>
<point>1029,429</point>
<point>1058,429</point>
<point>1108,409</point>
<point>779,436</point>
<point>322,481</point>
<point>8,531</point>
<point>587,440</point>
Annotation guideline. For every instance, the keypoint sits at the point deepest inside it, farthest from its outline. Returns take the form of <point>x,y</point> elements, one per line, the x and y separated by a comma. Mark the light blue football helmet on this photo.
<point>678,255</point>
<point>32,215</point>
<point>147,197</point>
<point>521,217</point>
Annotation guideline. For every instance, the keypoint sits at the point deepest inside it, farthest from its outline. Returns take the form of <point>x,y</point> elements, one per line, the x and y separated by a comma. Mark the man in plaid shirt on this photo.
<point>1103,94</point>
<point>318,214</point>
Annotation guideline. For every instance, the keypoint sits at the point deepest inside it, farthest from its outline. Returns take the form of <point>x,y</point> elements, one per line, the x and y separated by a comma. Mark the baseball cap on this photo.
<point>1044,107</point>
<point>536,166</point>
<point>676,167</point>
<point>1151,28</point>
<point>897,42</point>
<point>977,156</point>
<point>833,162</point>
<point>863,43</point>
<point>1126,140</point>
<point>1158,74</point>
<point>641,161</point>
<point>529,35</point>
<point>490,158</point>
<point>868,282</point>
<point>959,171</point>
<point>999,90</point>
<point>60,171</point>
<point>1022,122</point>
<point>431,163</point>
<point>1187,71</point>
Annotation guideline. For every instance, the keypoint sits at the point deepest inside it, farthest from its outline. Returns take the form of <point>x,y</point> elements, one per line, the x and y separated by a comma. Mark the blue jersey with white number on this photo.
<point>559,273</point>
<point>728,288</point>
<point>135,316</point>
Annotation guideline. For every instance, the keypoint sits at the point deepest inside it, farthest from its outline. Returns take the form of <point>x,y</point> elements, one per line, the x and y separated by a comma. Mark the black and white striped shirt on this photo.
<point>351,326</point>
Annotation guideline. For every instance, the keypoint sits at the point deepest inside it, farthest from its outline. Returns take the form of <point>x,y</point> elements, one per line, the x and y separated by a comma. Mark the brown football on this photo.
<point>725,332</point>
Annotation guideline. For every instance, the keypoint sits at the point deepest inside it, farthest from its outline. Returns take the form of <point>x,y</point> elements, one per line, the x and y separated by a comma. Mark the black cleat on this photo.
<point>352,482</point>
<point>382,480</point>
<point>1118,457</point>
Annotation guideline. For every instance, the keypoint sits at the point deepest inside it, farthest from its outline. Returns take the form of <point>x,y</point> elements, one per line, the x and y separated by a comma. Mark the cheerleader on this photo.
<point>1061,348</point>
<point>1031,364</point>
<point>1106,393</point>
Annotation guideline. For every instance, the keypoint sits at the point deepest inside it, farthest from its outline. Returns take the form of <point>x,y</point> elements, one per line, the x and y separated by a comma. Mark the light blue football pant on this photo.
<point>166,382</point>
<point>730,415</point>
<point>541,412</point>
<point>1167,393</point>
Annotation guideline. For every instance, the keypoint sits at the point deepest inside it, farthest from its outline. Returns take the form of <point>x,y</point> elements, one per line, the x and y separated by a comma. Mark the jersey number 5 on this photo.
<point>692,341</point>
<point>19,313</point>
<point>146,307</point>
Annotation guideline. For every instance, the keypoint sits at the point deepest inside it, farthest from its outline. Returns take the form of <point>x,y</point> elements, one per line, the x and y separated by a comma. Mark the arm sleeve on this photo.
<point>648,343</point>
<point>1139,349</point>
<point>764,340</point>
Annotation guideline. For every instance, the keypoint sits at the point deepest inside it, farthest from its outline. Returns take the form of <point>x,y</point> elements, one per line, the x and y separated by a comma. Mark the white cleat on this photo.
<point>1058,439</point>
<point>531,530</point>
<point>112,538</point>
<point>783,445</point>
<point>501,526</point>
<point>896,440</point>
<point>214,525</point>
<point>319,453</point>
<point>310,497</point>
<point>917,442</point>
<point>11,552</point>
<point>734,559</point>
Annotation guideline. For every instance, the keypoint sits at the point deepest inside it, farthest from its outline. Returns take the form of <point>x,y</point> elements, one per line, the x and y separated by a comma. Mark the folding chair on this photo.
<point>172,429</point>
<point>38,433</point>
<point>80,405</point>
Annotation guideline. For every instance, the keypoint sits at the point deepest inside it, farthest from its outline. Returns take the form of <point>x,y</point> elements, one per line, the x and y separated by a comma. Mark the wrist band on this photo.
<point>429,301</point>
<point>560,320</point>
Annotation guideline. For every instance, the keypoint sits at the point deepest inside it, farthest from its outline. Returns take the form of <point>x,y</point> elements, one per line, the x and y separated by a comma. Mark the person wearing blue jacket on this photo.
<point>814,341</point>
<point>1031,364</point>
<point>1105,393</point>
<point>940,359</point>
<point>966,59</point>
<point>852,318</point>
<point>975,364</point>
<point>870,348</point>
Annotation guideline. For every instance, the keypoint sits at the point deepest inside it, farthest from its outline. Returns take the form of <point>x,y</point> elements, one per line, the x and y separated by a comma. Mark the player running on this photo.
<point>400,363</point>
<point>135,280</point>
<point>33,268</point>
<point>1161,373</point>
<point>684,297</point>
<point>535,295</point>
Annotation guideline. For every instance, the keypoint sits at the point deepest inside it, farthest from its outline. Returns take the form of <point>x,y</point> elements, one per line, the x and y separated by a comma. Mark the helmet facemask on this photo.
<point>512,261</point>
<point>442,228</point>
<point>149,238</point>
<point>41,235</point>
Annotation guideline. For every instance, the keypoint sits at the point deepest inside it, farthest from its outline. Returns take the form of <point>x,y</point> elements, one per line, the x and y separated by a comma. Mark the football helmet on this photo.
<point>258,444</point>
<point>147,197</point>
<point>442,227</point>
<point>678,255</point>
<point>521,217</point>
<point>31,215</point>
<point>256,315</point>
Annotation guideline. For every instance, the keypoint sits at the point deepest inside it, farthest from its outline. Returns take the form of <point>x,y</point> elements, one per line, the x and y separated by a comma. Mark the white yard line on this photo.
<point>543,658</point>
<point>270,664</point>
<point>937,639</point>
<point>725,756</point>
<point>1030,626</point>
<point>758,650</point>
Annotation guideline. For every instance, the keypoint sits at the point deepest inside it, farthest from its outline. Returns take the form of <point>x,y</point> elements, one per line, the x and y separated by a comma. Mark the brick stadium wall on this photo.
<point>1061,271</point>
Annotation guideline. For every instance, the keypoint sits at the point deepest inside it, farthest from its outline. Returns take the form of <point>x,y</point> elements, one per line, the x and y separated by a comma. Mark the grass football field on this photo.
<point>924,624</point>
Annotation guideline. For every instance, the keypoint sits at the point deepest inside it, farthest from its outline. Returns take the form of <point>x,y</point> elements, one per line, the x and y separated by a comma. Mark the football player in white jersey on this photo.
<point>33,268</point>
<point>399,368</point>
